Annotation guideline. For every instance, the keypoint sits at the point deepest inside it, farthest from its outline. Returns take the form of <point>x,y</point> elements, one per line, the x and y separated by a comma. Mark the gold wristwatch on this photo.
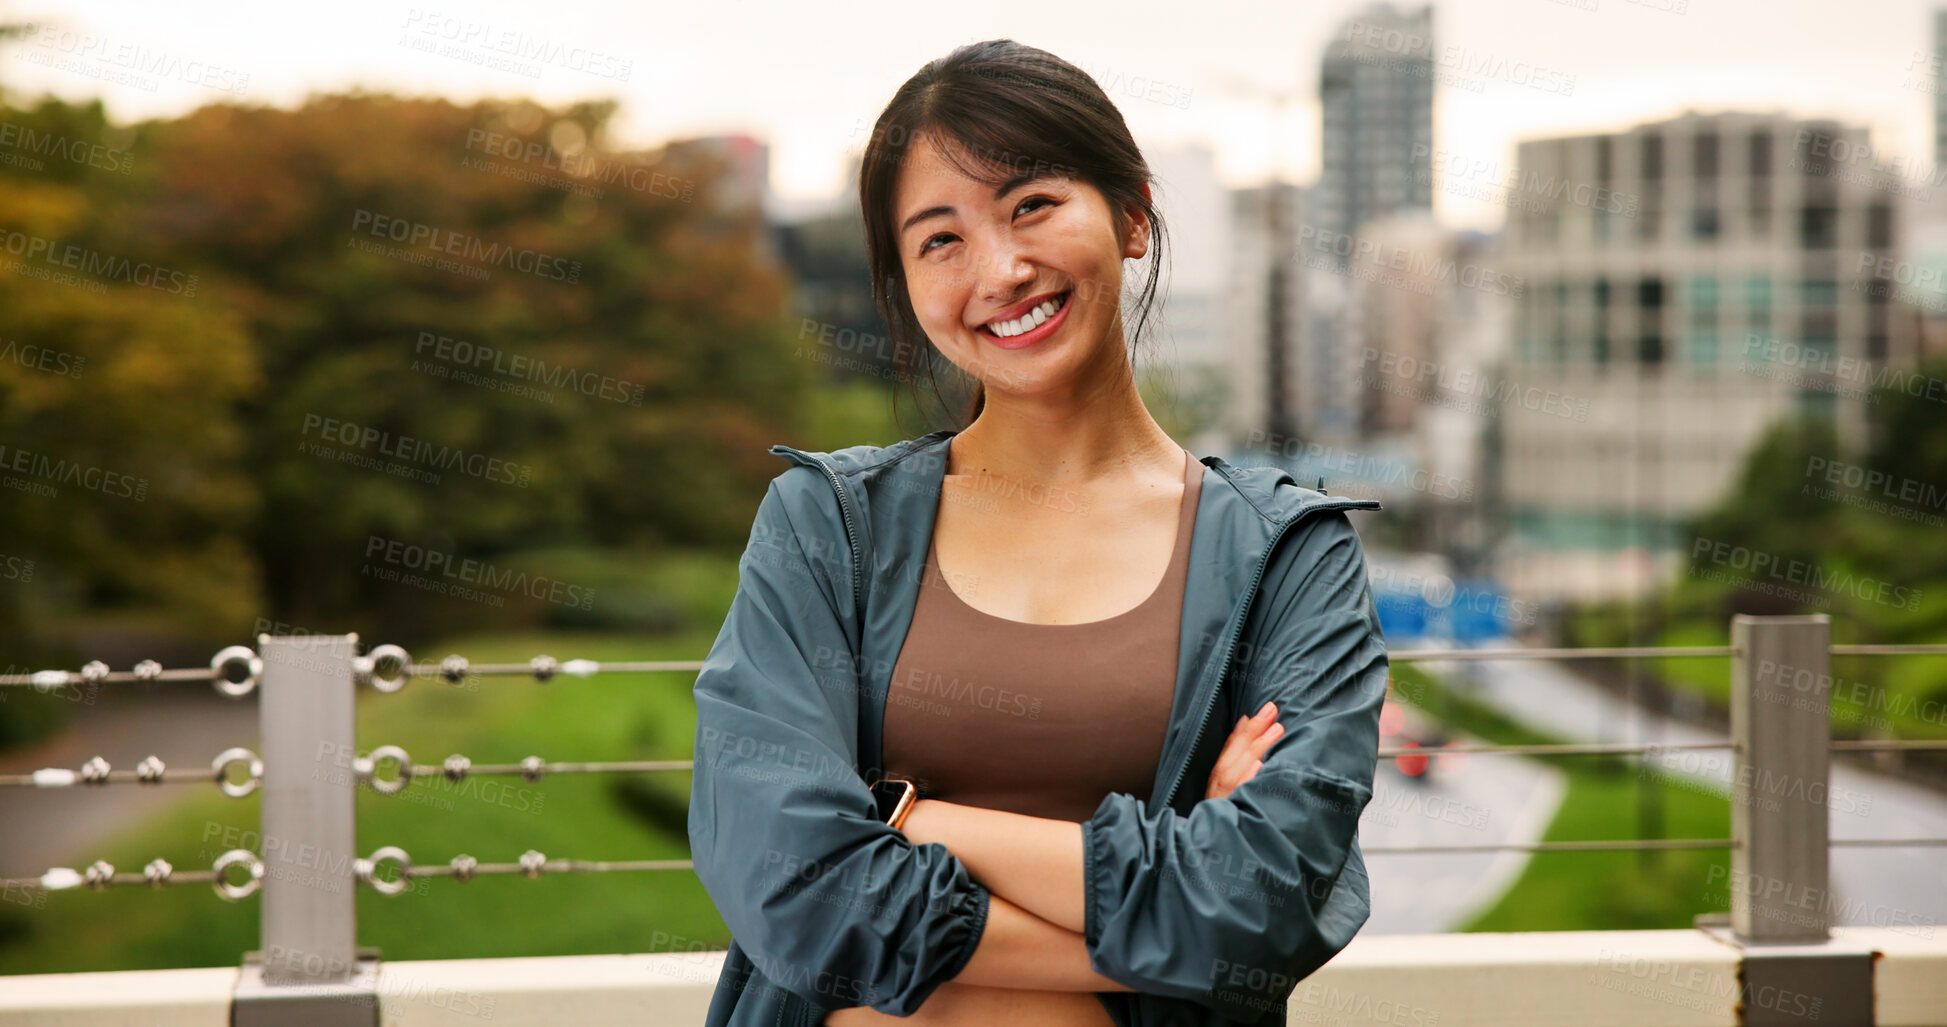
<point>895,797</point>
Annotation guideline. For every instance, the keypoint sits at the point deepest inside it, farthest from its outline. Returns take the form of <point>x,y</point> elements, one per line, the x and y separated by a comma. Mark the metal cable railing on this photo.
<point>237,670</point>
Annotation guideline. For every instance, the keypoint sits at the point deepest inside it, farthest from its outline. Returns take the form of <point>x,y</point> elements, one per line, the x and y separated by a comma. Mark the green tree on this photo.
<point>207,294</point>
<point>325,220</point>
<point>117,374</point>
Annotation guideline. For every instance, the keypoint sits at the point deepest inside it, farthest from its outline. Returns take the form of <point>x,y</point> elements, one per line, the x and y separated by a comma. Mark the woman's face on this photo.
<point>973,258</point>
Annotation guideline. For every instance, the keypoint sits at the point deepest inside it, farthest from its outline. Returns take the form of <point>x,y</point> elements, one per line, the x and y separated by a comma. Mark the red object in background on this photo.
<point>1452,762</point>
<point>1392,720</point>
<point>1411,764</point>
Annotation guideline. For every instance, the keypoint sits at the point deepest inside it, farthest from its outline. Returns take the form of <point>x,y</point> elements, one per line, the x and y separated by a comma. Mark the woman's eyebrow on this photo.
<point>1006,187</point>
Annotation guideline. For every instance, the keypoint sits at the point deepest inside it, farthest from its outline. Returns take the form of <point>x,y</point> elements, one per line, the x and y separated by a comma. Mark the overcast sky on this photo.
<point>806,76</point>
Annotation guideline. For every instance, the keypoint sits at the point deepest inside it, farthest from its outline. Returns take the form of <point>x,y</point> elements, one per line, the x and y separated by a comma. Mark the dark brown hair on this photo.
<point>1011,107</point>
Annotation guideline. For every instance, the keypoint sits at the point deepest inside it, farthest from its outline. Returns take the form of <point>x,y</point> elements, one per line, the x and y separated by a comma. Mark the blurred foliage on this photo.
<point>124,474</point>
<point>1782,507</point>
<point>203,298</point>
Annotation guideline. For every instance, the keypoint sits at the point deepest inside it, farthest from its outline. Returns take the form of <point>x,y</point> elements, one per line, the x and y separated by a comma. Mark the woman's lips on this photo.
<point>1035,334</point>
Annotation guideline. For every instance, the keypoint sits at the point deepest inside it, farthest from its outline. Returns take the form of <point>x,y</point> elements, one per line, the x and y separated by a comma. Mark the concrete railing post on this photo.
<point>308,973</point>
<point>1781,725</point>
<point>1791,969</point>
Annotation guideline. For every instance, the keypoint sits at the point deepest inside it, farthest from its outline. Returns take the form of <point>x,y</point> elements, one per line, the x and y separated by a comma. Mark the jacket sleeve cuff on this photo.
<point>977,901</point>
<point>959,932</point>
<point>1091,913</point>
<point>1103,882</point>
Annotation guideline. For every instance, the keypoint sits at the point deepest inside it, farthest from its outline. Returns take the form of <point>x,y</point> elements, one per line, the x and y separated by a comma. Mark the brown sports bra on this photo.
<point>1041,719</point>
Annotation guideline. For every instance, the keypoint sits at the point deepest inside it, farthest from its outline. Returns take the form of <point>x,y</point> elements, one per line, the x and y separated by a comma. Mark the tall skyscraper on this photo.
<point>1375,93</point>
<point>1376,100</point>
<point>1935,74</point>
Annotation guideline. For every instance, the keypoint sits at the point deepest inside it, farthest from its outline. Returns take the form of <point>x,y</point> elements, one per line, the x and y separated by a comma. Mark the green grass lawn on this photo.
<point>1607,798</point>
<point>492,818</point>
<point>1577,891</point>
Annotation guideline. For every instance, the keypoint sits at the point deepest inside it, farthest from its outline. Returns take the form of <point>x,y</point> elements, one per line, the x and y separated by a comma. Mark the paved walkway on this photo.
<point>1880,887</point>
<point>1469,800</point>
<point>183,723</point>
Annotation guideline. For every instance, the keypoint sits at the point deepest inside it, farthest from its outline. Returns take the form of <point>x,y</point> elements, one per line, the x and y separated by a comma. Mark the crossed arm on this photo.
<point>1032,869</point>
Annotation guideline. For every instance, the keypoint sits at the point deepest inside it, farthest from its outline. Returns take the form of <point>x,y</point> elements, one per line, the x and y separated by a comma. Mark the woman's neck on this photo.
<point>1072,440</point>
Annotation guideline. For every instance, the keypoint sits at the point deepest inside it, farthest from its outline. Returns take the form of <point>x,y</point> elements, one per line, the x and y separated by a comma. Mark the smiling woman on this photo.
<point>990,161</point>
<point>1046,659</point>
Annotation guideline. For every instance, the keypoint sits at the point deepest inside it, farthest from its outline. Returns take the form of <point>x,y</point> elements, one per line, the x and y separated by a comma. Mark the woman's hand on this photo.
<point>1244,751</point>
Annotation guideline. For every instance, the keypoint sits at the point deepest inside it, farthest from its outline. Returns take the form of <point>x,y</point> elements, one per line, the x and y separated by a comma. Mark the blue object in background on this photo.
<point>1402,615</point>
<point>1477,612</point>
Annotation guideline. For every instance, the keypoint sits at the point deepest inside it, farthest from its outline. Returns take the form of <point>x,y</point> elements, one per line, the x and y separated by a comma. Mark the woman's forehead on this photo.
<point>933,155</point>
<point>936,162</point>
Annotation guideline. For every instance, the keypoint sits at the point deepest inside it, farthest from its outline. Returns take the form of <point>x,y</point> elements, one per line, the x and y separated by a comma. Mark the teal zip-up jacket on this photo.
<point>1213,910</point>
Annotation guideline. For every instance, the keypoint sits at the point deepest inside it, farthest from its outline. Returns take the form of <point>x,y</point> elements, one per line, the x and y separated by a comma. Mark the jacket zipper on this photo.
<point>851,537</point>
<point>805,1014</point>
<point>1230,646</point>
<point>851,541</point>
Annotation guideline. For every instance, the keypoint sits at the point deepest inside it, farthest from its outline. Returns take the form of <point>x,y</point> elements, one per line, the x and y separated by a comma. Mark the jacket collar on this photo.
<point>889,498</point>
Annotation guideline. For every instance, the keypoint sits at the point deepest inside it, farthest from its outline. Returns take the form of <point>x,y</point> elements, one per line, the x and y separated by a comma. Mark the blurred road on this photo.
<point>184,724</point>
<point>1466,800</point>
<point>1884,887</point>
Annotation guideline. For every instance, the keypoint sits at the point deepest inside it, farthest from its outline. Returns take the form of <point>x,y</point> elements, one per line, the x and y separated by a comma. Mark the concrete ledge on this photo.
<point>1680,978</point>
<point>645,988</point>
<point>1910,978</point>
<point>1683,978</point>
<point>127,998</point>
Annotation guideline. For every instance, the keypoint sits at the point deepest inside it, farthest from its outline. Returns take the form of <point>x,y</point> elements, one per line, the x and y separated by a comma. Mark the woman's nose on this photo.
<point>1000,272</point>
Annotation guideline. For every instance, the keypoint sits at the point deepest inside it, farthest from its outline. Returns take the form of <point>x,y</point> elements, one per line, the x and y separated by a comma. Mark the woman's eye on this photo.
<point>927,246</point>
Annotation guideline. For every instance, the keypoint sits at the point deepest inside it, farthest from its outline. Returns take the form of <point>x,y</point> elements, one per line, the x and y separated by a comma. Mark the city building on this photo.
<point>1932,71</point>
<point>745,182</point>
<point>1431,307</point>
<point>1263,318</point>
<point>1187,347</point>
<point>1375,92</point>
<point>1688,283</point>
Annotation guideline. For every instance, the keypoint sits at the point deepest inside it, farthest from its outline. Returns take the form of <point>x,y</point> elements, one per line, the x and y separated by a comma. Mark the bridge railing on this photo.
<point>310,969</point>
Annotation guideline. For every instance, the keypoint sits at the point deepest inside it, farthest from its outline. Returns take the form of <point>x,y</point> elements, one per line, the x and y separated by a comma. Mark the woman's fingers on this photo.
<point>1219,782</point>
<point>1232,759</point>
<point>1249,739</point>
<point>1262,743</point>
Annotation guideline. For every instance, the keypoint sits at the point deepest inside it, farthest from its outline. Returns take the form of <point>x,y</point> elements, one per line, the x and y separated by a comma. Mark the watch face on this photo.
<point>888,793</point>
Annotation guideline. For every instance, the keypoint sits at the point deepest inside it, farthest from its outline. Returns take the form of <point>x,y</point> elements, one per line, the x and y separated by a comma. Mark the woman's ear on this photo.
<point>1137,243</point>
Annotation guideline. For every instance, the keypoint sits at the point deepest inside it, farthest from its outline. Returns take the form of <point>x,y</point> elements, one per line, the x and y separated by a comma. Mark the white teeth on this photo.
<point>1031,320</point>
